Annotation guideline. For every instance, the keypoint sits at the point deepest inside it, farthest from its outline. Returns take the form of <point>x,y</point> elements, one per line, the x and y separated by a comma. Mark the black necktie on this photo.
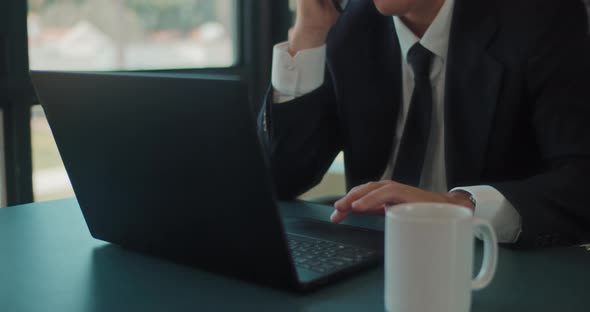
<point>412,149</point>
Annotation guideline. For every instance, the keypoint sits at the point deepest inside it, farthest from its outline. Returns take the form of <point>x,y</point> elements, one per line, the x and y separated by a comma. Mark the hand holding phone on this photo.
<point>314,20</point>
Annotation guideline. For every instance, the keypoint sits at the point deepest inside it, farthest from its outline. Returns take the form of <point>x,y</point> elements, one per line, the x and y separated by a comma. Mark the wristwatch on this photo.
<point>472,200</point>
<point>470,197</point>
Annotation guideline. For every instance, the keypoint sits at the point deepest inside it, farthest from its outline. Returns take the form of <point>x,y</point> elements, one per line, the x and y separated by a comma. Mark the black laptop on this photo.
<point>172,166</point>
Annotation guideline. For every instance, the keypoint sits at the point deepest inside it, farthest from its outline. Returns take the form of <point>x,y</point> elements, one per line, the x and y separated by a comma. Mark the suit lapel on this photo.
<point>387,71</point>
<point>472,85</point>
<point>387,81</point>
<point>373,105</point>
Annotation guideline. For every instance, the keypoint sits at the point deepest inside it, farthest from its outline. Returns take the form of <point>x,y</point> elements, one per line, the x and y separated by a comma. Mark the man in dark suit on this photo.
<point>487,99</point>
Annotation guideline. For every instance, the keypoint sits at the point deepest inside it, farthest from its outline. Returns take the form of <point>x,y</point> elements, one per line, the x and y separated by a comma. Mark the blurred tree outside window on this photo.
<point>131,34</point>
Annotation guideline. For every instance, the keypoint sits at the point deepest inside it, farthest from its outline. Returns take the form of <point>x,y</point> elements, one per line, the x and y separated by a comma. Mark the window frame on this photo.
<point>259,24</point>
<point>15,100</point>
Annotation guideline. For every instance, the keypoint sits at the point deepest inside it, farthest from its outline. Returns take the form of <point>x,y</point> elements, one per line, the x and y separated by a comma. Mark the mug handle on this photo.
<point>490,253</point>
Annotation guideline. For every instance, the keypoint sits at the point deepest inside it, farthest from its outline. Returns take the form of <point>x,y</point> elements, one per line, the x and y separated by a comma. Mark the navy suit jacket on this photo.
<point>517,108</point>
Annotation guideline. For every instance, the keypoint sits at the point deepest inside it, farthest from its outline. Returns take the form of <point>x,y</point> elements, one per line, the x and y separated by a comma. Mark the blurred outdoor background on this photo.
<point>107,35</point>
<point>130,34</point>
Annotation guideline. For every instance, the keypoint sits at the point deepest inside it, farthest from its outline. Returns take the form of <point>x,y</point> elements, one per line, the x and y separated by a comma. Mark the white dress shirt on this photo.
<point>299,75</point>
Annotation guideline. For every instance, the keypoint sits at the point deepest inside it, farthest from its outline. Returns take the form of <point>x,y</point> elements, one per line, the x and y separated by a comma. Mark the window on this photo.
<point>293,7</point>
<point>216,37</point>
<point>104,35</point>
<point>50,180</point>
<point>131,34</point>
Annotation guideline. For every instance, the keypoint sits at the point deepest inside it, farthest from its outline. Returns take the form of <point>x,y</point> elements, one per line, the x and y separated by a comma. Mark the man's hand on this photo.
<point>373,197</point>
<point>314,20</point>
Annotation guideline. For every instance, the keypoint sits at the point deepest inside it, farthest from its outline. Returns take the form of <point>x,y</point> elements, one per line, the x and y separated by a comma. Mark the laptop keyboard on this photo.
<point>324,256</point>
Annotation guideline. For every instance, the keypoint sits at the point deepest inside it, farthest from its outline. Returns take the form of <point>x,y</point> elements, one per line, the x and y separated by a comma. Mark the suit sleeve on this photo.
<point>554,206</point>
<point>302,137</point>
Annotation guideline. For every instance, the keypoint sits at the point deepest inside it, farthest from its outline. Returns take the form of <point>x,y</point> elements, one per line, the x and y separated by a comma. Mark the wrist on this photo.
<point>462,198</point>
<point>303,39</point>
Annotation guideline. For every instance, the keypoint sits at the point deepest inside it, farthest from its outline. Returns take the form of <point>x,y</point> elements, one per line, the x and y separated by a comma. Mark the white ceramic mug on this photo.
<point>429,257</point>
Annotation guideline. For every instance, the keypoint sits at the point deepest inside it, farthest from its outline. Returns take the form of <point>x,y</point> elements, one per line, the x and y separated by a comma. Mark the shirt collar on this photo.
<point>436,38</point>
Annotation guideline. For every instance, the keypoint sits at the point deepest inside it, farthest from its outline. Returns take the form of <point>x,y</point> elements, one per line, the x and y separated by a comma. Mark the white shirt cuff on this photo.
<point>492,206</point>
<point>299,75</point>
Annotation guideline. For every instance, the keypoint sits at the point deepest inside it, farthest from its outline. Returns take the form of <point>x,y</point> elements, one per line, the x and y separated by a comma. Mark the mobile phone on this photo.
<point>341,5</point>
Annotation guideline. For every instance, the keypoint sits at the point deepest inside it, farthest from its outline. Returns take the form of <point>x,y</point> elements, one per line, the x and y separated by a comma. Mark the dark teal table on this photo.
<point>49,262</point>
